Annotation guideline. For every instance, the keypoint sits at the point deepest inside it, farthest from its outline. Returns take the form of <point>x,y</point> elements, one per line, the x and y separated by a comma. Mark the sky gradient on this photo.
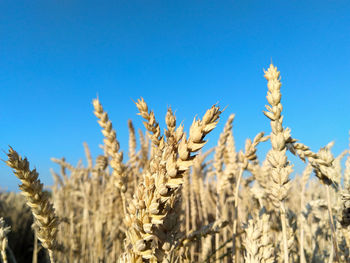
<point>56,56</point>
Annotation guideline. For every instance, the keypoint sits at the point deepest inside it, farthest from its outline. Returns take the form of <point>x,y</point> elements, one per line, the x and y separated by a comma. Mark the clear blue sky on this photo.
<point>56,56</point>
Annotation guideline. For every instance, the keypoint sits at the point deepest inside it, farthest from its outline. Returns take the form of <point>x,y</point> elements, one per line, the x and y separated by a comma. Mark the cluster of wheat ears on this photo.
<point>169,203</point>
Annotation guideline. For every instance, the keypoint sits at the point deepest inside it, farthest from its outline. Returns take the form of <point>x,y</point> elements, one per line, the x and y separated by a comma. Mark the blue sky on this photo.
<point>56,56</point>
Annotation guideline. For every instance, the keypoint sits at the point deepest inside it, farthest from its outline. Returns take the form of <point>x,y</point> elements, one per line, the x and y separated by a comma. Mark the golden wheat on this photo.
<point>173,202</point>
<point>46,220</point>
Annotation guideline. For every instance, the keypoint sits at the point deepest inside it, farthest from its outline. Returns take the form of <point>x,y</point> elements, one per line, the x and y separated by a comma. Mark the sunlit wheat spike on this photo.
<point>44,214</point>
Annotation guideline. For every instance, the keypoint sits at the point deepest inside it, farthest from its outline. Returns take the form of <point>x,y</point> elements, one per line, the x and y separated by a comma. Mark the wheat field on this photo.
<point>170,201</point>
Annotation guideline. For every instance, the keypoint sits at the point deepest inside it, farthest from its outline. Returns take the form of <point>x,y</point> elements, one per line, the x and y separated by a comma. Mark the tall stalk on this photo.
<point>331,222</point>
<point>235,218</point>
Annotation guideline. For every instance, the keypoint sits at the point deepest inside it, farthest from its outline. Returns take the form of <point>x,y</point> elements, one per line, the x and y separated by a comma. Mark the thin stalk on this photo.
<point>52,259</point>
<point>301,245</point>
<point>334,234</point>
<point>217,214</point>
<point>284,232</point>
<point>222,246</point>
<point>331,255</point>
<point>235,219</point>
<point>35,250</point>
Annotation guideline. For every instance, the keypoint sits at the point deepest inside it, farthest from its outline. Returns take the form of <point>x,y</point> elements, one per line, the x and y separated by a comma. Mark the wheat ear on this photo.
<point>257,242</point>
<point>277,156</point>
<point>152,215</point>
<point>45,218</point>
<point>132,144</point>
<point>112,145</point>
<point>150,124</point>
<point>88,155</point>
<point>218,165</point>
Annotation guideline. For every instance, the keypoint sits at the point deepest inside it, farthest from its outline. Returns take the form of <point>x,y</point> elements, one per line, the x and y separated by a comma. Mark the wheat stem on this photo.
<point>284,232</point>
<point>334,234</point>
<point>235,219</point>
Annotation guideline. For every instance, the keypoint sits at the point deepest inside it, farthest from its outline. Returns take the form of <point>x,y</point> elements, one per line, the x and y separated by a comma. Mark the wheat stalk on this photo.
<point>277,156</point>
<point>44,214</point>
<point>305,177</point>
<point>220,182</point>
